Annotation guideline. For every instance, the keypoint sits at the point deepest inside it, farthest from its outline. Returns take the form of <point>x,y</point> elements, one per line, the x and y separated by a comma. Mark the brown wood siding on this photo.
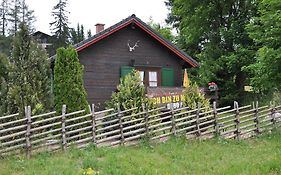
<point>103,60</point>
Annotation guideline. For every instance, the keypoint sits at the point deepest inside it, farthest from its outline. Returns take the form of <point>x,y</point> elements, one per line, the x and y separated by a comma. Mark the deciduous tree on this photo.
<point>265,30</point>
<point>213,32</point>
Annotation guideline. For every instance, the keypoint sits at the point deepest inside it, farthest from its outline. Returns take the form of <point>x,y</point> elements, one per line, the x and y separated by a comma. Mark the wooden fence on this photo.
<point>50,131</point>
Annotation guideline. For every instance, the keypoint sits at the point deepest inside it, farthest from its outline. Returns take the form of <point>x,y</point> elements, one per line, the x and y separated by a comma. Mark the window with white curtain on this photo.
<point>152,78</point>
<point>141,73</point>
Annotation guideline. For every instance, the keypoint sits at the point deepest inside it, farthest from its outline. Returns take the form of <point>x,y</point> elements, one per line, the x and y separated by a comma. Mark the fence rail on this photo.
<point>51,131</point>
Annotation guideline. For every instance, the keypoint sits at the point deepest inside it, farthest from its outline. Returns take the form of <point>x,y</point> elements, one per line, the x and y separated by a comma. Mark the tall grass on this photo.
<point>177,156</point>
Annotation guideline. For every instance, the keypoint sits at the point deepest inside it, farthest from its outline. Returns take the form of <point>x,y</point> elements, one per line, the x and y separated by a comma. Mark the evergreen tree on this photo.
<point>68,81</point>
<point>27,16</point>
<point>5,44</point>
<point>214,33</point>
<point>89,33</point>
<point>82,34</point>
<point>29,75</point>
<point>20,13</point>
<point>3,16</point>
<point>4,67</point>
<point>14,16</point>
<point>78,34</point>
<point>74,37</point>
<point>59,26</point>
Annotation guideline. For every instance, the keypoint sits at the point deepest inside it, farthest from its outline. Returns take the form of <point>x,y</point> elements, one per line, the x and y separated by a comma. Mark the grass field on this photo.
<point>178,156</point>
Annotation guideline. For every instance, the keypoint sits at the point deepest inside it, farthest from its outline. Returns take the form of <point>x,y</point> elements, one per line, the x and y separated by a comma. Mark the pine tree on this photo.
<point>82,34</point>
<point>29,75</point>
<point>14,16</point>
<point>4,66</point>
<point>27,16</point>
<point>3,16</point>
<point>74,37</point>
<point>5,44</point>
<point>20,13</point>
<point>78,34</point>
<point>89,33</point>
<point>68,81</point>
<point>59,26</point>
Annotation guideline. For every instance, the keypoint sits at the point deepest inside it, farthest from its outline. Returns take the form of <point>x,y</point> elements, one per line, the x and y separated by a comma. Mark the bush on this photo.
<point>130,94</point>
<point>193,96</point>
<point>68,81</point>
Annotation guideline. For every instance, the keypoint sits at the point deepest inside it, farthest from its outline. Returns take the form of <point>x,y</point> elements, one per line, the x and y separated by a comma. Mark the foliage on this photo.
<point>193,96</point>
<point>4,67</point>
<point>214,33</point>
<point>3,17</point>
<point>19,12</point>
<point>5,44</point>
<point>68,81</point>
<point>14,16</point>
<point>166,32</point>
<point>29,75</point>
<point>78,34</point>
<point>130,94</point>
<point>59,26</point>
<point>27,16</point>
<point>266,71</point>
<point>89,33</point>
<point>175,156</point>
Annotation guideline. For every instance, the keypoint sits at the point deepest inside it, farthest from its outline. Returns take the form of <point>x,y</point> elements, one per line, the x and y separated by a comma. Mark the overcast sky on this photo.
<point>90,12</point>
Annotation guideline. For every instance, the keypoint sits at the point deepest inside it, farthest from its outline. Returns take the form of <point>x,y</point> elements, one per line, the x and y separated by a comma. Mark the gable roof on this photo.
<point>133,19</point>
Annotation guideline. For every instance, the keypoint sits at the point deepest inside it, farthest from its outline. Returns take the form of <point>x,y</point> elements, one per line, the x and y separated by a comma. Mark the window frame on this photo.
<point>146,71</point>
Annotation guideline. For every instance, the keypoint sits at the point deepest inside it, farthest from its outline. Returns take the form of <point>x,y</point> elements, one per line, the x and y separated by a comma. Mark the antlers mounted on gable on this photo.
<point>132,48</point>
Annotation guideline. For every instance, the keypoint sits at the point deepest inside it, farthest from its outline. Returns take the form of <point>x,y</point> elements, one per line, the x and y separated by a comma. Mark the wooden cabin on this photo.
<point>129,44</point>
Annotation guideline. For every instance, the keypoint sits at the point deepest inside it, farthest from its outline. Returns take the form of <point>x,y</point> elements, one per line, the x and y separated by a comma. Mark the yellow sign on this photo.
<point>248,88</point>
<point>185,79</point>
<point>168,99</point>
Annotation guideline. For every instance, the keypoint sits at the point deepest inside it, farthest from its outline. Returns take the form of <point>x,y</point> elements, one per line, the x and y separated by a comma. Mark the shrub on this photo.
<point>193,96</point>
<point>130,94</point>
<point>68,81</point>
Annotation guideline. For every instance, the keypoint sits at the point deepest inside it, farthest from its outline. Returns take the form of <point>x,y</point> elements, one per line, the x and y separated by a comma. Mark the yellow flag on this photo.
<point>185,79</point>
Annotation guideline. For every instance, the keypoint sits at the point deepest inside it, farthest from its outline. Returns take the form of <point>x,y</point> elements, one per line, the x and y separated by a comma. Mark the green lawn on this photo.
<point>261,155</point>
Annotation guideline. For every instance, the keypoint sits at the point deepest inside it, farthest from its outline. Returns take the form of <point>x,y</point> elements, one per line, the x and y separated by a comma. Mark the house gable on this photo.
<point>136,21</point>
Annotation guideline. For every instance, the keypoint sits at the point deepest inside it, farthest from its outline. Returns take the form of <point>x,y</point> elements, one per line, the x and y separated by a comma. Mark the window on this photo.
<point>142,77</point>
<point>152,78</point>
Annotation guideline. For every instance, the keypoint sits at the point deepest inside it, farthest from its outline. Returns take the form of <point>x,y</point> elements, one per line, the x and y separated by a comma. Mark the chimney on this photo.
<point>99,27</point>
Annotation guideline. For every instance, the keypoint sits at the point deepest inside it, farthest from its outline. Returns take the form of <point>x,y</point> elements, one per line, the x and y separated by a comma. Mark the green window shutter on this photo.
<point>167,77</point>
<point>125,70</point>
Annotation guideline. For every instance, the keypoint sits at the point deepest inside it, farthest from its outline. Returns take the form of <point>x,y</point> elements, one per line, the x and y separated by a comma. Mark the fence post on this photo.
<point>94,125</point>
<point>145,120</point>
<point>174,131</point>
<point>197,119</point>
<point>237,121</point>
<point>215,112</point>
<point>28,134</point>
<point>256,116</point>
<point>272,114</point>
<point>63,127</point>
<point>120,124</point>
